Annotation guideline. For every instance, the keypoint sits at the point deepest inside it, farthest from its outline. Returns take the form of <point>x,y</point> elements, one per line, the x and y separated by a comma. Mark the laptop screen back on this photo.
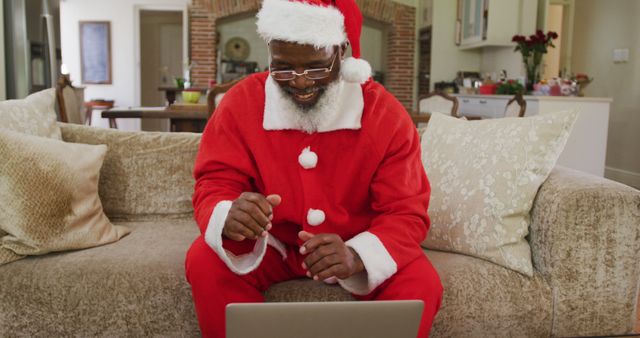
<point>371,319</point>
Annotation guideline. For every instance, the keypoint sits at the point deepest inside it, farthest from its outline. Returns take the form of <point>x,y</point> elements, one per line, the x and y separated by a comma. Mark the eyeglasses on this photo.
<point>309,74</point>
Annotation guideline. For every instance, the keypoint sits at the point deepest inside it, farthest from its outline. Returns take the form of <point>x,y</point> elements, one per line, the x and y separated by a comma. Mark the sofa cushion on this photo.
<point>145,175</point>
<point>135,287</point>
<point>483,299</point>
<point>34,115</point>
<point>49,194</point>
<point>484,177</point>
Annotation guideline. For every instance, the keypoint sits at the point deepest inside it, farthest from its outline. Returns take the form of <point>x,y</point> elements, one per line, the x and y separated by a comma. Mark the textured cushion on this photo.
<point>484,177</point>
<point>35,115</point>
<point>49,194</point>
<point>145,175</point>
<point>482,299</point>
<point>136,287</point>
<point>132,288</point>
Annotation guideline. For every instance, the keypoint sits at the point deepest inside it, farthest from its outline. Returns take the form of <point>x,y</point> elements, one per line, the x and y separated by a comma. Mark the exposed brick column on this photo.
<point>202,42</point>
<point>400,56</point>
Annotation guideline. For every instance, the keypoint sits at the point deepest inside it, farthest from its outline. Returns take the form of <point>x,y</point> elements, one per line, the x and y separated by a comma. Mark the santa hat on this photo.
<point>322,23</point>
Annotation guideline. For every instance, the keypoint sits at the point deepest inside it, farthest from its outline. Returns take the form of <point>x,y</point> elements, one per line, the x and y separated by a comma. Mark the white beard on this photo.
<point>326,109</point>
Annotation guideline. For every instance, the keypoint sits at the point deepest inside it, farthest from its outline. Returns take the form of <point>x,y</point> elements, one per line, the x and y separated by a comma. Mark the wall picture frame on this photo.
<point>95,52</point>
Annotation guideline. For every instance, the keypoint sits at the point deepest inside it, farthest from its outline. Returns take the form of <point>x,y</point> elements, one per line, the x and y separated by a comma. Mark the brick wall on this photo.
<point>400,18</point>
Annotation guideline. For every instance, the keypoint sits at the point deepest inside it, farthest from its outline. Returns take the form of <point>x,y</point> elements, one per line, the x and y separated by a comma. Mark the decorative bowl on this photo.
<point>190,96</point>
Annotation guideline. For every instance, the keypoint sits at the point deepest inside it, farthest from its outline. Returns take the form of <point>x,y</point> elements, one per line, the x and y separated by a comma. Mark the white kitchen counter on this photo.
<point>586,148</point>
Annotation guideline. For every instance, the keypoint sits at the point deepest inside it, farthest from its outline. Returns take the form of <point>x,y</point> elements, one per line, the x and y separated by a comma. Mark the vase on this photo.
<point>533,75</point>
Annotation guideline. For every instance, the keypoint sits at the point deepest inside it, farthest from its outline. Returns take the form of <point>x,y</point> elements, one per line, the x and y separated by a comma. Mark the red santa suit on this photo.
<point>359,175</point>
<point>356,173</point>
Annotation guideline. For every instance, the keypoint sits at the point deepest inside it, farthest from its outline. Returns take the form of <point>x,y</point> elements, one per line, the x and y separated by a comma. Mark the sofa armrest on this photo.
<point>145,175</point>
<point>585,241</point>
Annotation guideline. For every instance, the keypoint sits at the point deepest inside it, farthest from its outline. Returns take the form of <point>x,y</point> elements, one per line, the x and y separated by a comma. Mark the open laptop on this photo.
<point>371,319</point>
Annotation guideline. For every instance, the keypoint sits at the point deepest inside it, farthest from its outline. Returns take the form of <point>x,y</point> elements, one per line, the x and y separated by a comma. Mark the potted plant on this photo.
<point>509,87</point>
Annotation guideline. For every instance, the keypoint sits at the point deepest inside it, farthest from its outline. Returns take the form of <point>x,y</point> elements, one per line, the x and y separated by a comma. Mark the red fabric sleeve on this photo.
<point>400,193</point>
<point>223,167</point>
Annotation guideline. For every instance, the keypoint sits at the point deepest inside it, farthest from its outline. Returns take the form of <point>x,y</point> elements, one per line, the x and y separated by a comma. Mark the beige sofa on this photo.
<point>585,238</point>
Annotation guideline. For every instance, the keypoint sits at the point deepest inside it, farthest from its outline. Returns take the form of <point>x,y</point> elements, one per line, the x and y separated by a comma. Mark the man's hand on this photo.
<point>328,256</point>
<point>250,216</point>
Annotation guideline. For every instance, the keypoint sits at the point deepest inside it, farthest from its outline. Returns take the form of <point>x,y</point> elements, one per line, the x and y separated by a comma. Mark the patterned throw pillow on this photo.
<point>35,115</point>
<point>49,194</point>
<point>484,177</point>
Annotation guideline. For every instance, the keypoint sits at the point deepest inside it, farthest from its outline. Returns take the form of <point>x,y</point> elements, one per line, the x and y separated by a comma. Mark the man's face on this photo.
<point>291,56</point>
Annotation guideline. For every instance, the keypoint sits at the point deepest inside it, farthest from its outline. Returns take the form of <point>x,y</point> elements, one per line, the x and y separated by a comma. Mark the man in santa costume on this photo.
<point>310,170</point>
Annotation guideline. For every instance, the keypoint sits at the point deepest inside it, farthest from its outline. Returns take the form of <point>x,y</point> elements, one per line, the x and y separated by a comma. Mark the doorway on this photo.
<point>161,59</point>
<point>559,18</point>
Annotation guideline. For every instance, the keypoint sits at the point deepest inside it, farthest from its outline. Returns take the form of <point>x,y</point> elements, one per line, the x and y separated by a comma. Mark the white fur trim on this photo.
<point>378,263</point>
<point>280,114</point>
<point>242,264</point>
<point>355,70</point>
<point>315,217</point>
<point>300,22</point>
<point>307,158</point>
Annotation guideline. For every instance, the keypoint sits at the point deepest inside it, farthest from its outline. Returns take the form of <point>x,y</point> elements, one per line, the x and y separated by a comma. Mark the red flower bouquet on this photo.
<point>532,50</point>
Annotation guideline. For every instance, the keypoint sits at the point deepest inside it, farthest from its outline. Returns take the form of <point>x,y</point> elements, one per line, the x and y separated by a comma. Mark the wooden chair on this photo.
<point>435,102</point>
<point>214,96</point>
<point>438,102</point>
<point>516,107</point>
<point>70,102</point>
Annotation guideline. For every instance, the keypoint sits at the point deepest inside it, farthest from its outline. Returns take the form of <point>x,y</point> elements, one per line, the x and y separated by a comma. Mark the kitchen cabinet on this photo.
<point>484,23</point>
<point>586,148</point>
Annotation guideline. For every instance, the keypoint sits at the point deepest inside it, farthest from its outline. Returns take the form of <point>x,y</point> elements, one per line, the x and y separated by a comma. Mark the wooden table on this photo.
<point>89,106</point>
<point>184,118</point>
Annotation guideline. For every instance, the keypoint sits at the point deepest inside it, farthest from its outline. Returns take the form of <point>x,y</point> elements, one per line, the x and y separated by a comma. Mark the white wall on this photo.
<point>446,58</point>
<point>3,84</point>
<point>599,29</point>
<point>495,59</point>
<point>121,13</point>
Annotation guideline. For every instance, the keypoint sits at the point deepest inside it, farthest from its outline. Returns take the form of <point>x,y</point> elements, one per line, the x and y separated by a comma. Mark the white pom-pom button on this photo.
<point>315,217</point>
<point>307,158</point>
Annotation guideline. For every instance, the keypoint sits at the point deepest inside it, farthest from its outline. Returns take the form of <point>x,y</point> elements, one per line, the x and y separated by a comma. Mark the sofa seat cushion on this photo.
<point>483,299</point>
<point>137,287</point>
<point>134,287</point>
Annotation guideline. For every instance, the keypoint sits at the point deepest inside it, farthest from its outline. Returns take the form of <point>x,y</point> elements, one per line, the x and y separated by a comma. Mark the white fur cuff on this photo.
<point>355,70</point>
<point>378,263</point>
<point>301,23</point>
<point>242,264</point>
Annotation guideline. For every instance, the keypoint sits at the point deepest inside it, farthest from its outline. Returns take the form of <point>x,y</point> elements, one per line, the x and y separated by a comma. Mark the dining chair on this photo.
<point>434,102</point>
<point>516,107</point>
<point>440,102</point>
<point>70,102</point>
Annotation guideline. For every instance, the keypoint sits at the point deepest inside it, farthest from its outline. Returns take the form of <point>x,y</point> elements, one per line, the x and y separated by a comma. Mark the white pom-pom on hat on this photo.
<point>355,70</point>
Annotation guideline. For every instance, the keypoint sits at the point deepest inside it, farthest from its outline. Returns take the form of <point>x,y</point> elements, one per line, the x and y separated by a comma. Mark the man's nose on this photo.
<point>301,82</point>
